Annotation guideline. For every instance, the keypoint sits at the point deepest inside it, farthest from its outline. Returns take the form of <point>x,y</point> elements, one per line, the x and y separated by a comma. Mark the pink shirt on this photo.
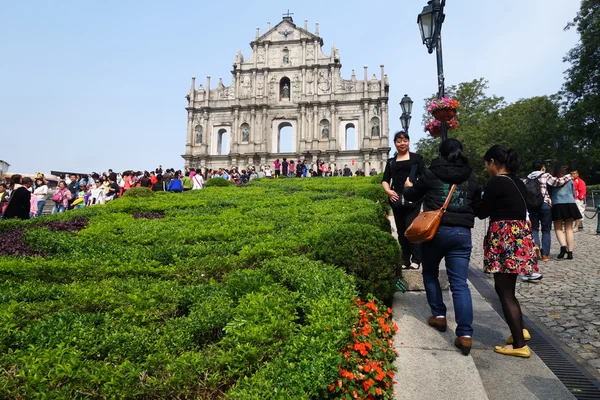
<point>277,164</point>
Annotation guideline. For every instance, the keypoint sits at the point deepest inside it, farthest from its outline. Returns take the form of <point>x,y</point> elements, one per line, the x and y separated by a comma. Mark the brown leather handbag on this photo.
<point>424,227</point>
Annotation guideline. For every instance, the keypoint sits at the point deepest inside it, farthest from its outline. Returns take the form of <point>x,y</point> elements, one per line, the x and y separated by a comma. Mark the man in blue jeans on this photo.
<point>543,215</point>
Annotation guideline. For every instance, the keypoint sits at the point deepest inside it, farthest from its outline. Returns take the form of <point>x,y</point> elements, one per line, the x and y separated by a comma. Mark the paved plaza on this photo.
<point>567,299</point>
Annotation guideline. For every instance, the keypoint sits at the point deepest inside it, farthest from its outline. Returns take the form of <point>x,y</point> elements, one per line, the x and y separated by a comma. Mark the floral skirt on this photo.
<point>508,248</point>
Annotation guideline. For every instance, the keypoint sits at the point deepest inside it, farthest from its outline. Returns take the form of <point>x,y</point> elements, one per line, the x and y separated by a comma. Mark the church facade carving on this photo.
<point>289,99</point>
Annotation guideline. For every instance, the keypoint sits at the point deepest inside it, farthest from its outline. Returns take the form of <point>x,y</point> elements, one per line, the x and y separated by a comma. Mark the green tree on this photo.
<point>582,86</point>
<point>530,125</point>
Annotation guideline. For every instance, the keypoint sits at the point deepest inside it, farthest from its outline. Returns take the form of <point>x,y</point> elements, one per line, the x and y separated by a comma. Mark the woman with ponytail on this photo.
<point>453,238</point>
<point>509,249</point>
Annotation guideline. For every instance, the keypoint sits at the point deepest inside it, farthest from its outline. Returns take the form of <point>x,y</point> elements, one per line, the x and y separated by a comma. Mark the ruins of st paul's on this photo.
<point>289,86</point>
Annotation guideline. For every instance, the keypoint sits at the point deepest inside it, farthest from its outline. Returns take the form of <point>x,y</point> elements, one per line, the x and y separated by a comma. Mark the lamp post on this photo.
<point>430,23</point>
<point>406,105</point>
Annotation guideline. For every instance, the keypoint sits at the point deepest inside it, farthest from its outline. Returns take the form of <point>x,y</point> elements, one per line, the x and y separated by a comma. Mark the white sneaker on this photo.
<point>531,277</point>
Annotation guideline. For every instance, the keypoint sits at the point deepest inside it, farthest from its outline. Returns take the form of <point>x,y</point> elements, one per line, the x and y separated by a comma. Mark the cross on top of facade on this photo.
<point>288,14</point>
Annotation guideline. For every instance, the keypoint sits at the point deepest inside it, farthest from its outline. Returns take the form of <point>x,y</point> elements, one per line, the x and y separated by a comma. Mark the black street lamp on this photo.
<point>430,23</point>
<point>406,105</point>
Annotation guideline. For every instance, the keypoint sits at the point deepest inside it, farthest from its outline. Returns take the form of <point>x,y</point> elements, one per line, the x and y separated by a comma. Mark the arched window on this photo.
<point>223,142</point>
<point>284,138</point>
<point>285,89</point>
<point>245,132</point>
<point>350,137</point>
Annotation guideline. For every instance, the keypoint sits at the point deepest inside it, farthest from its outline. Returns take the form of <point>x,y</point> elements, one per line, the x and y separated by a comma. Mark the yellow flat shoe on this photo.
<point>523,352</point>
<point>526,335</point>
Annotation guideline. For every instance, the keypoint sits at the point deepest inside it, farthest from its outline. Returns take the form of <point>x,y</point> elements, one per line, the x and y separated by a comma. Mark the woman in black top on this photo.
<point>19,203</point>
<point>397,169</point>
<point>508,246</point>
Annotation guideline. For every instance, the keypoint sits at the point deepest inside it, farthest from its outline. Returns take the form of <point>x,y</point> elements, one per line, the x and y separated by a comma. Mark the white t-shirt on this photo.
<point>41,192</point>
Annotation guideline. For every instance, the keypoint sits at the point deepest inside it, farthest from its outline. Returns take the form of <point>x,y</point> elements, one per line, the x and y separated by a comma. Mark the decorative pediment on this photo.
<point>286,30</point>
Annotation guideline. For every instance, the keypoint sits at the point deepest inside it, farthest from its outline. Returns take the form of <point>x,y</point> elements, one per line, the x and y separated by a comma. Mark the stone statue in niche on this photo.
<point>245,133</point>
<point>286,57</point>
<point>375,129</point>
<point>286,91</point>
<point>261,55</point>
<point>325,131</point>
<point>199,134</point>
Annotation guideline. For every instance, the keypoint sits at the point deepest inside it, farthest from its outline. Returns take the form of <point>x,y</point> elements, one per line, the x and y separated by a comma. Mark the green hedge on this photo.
<point>233,292</point>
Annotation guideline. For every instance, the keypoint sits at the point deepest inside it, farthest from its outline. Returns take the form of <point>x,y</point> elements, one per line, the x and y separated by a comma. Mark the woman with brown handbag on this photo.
<point>452,240</point>
<point>397,170</point>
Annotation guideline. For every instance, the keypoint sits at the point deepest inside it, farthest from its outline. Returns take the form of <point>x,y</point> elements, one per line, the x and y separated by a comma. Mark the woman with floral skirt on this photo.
<point>509,249</point>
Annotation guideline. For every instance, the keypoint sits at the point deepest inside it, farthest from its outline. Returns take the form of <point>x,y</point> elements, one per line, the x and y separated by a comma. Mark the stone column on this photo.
<point>366,132</point>
<point>237,85</point>
<point>207,97</point>
<point>365,84</point>
<point>266,57</point>
<point>333,128</point>
<point>254,86</point>
<point>300,128</point>
<point>384,121</point>
<point>235,131</point>
<point>315,136</point>
<point>304,52</point>
<point>190,133</point>
<point>265,130</point>
<point>253,128</point>
<point>265,93</point>
<point>254,49</point>
<point>332,83</point>
<point>303,96</point>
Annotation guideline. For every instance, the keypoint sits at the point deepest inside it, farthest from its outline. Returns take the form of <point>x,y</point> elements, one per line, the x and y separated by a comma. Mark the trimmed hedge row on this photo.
<point>232,292</point>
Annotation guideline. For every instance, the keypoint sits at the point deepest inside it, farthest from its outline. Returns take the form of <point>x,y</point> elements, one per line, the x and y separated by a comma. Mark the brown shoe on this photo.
<point>464,344</point>
<point>545,258</point>
<point>437,323</point>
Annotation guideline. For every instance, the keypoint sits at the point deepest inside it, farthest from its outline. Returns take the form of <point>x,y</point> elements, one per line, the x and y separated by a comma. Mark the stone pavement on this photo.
<point>430,367</point>
<point>567,300</point>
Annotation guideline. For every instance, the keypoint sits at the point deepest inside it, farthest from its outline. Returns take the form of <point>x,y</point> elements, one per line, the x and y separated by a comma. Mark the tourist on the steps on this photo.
<point>397,169</point>
<point>509,249</point>
<point>564,213</point>
<point>453,238</point>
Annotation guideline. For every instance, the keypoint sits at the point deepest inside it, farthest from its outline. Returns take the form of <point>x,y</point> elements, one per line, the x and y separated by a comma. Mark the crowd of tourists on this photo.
<point>515,207</point>
<point>24,197</point>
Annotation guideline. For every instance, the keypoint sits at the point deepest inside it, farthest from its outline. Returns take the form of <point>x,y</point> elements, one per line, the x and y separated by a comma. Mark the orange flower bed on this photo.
<point>367,371</point>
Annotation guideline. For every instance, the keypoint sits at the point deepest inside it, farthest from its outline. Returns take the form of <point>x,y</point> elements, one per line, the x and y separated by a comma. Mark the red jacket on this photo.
<point>580,189</point>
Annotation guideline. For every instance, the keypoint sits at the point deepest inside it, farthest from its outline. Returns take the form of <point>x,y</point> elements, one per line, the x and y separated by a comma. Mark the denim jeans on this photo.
<point>543,215</point>
<point>40,207</point>
<point>58,208</point>
<point>454,244</point>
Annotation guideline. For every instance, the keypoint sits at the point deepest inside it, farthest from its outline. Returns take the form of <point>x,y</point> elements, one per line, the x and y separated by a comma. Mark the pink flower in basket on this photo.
<point>444,102</point>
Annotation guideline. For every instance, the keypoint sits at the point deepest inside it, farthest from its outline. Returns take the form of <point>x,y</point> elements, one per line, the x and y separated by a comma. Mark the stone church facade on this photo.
<point>288,86</point>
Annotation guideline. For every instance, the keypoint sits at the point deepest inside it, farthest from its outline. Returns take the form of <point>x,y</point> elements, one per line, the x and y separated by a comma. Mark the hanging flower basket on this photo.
<point>443,109</point>
<point>436,131</point>
<point>444,114</point>
<point>452,124</point>
<point>434,127</point>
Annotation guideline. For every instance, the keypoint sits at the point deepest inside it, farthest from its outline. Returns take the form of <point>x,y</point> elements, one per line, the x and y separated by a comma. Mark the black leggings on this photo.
<point>505,287</point>
<point>403,218</point>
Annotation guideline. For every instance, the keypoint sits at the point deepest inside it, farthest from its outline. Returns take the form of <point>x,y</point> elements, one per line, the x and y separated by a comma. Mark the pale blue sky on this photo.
<point>91,85</point>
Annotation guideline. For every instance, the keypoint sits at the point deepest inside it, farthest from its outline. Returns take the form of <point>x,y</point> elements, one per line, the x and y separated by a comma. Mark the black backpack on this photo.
<point>534,198</point>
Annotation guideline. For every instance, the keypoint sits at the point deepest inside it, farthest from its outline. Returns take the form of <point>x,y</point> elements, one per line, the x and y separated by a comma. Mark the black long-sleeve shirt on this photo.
<point>502,200</point>
<point>398,171</point>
